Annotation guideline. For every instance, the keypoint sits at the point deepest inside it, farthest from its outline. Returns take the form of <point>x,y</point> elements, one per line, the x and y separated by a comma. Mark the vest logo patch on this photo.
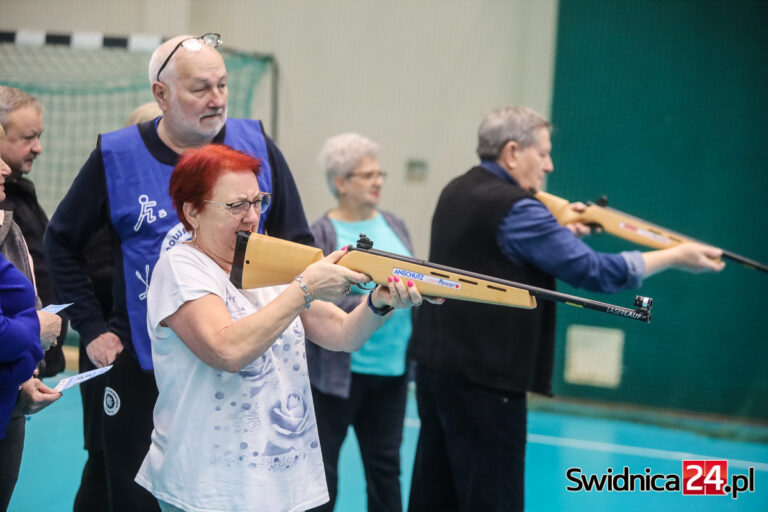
<point>175,236</point>
<point>111,401</point>
<point>147,213</point>
<point>145,280</point>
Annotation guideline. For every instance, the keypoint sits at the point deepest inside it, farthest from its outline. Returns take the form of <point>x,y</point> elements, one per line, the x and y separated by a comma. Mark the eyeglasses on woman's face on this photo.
<point>261,204</point>
<point>368,175</point>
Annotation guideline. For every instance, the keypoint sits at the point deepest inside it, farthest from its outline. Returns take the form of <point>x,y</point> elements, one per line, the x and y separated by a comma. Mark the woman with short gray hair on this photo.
<point>344,153</point>
<point>366,389</point>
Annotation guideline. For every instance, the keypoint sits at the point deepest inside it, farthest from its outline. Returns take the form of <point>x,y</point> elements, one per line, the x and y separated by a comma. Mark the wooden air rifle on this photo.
<point>261,260</point>
<point>625,226</point>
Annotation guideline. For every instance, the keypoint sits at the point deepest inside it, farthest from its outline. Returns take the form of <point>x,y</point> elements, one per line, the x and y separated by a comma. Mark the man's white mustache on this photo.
<point>214,112</point>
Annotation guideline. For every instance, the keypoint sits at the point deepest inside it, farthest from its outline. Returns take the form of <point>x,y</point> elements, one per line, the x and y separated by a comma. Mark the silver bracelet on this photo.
<point>303,286</point>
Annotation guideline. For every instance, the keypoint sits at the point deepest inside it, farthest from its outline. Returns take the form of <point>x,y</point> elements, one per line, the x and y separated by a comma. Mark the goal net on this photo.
<point>92,88</point>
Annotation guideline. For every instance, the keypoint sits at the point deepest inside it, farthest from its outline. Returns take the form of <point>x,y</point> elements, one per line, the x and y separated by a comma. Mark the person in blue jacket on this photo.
<point>20,348</point>
<point>124,185</point>
<point>20,351</point>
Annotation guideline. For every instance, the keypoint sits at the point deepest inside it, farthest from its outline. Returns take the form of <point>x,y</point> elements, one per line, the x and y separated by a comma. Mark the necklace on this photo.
<point>226,266</point>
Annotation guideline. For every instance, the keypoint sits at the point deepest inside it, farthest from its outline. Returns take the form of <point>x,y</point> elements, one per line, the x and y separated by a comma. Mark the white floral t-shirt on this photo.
<point>228,441</point>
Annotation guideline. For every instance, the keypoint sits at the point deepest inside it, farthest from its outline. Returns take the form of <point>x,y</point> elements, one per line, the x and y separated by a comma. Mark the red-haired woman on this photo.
<point>234,425</point>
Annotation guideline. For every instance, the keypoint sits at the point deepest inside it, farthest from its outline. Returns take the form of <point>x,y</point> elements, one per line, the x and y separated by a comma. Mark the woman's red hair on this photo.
<point>199,169</point>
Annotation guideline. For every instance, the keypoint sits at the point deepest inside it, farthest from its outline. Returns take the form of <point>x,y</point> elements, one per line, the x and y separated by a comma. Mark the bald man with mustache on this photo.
<point>124,185</point>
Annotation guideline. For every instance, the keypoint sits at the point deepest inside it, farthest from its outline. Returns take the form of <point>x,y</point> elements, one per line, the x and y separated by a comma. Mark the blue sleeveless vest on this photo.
<point>143,215</point>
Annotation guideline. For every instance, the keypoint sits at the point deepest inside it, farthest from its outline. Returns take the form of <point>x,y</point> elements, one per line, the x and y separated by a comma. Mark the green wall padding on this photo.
<point>662,105</point>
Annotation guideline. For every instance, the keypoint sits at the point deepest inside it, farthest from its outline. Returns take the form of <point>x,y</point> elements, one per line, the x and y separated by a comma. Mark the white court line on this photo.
<point>412,422</point>
<point>583,444</point>
<point>638,450</point>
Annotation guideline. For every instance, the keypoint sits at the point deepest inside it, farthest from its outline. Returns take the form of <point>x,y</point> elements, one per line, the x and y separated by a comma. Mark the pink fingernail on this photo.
<point>389,279</point>
<point>410,284</point>
<point>344,248</point>
<point>397,279</point>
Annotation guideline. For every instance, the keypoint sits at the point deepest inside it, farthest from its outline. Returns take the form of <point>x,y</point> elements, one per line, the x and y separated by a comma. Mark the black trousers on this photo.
<point>11,448</point>
<point>376,410</point>
<point>92,493</point>
<point>471,450</point>
<point>125,424</point>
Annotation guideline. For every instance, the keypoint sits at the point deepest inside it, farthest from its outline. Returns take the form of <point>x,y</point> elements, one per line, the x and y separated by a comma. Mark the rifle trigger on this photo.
<point>601,201</point>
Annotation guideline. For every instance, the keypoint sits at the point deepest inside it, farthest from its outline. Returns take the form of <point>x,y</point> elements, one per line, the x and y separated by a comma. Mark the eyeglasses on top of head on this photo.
<point>240,207</point>
<point>368,175</point>
<point>192,44</point>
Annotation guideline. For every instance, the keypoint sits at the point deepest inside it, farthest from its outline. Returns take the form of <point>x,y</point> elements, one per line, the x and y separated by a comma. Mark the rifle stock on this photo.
<point>265,261</point>
<point>630,228</point>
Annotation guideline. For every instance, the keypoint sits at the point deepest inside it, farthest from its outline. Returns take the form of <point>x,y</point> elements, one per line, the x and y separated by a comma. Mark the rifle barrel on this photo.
<point>669,238</point>
<point>745,261</point>
<point>642,314</point>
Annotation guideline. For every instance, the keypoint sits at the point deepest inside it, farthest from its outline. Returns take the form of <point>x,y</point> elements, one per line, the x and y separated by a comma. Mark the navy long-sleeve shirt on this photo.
<point>529,233</point>
<point>85,209</point>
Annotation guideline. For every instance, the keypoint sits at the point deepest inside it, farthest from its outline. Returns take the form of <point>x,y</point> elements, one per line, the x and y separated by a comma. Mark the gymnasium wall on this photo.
<point>417,77</point>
